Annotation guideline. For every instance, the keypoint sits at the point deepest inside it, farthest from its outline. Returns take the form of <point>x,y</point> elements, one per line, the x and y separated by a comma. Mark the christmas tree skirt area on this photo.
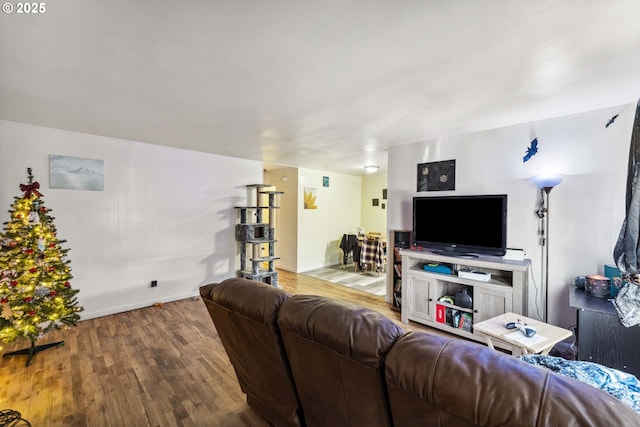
<point>364,281</point>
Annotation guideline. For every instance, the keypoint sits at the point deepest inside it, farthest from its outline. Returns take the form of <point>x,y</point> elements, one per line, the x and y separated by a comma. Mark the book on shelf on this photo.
<point>398,269</point>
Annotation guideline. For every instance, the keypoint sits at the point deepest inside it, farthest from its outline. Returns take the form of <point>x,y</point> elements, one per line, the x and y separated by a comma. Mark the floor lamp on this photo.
<point>545,183</point>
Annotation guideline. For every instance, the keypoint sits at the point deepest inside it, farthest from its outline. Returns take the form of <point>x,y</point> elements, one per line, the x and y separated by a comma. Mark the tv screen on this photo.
<point>461,224</point>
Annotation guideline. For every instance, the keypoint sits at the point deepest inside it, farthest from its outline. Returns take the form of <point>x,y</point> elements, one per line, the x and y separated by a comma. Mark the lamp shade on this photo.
<point>547,181</point>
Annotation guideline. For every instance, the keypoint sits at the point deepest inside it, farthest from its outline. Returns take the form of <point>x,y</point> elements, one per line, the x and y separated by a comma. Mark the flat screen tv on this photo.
<point>461,225</point>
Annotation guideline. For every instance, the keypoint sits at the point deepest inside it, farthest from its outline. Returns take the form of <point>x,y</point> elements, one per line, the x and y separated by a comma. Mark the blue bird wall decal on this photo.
<point>611,120</point>
<point>531,150</point>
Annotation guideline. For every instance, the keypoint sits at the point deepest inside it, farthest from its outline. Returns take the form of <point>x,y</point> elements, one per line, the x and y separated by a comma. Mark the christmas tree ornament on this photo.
<point>33,218</point>
<point>36,295</point>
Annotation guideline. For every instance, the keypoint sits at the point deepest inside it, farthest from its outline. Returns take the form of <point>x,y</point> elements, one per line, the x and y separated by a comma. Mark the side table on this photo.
<point>601,337</point>
<point>541,343</point>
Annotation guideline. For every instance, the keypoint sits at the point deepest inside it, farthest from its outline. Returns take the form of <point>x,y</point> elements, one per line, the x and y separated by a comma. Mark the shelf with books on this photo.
<point>398,239</point>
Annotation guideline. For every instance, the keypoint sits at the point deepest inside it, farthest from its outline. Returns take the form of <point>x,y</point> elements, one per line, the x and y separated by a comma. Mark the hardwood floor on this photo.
<point>156,366</point>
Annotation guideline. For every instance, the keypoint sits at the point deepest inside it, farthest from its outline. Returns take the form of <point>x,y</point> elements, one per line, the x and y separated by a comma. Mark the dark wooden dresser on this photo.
<point>601,337</point>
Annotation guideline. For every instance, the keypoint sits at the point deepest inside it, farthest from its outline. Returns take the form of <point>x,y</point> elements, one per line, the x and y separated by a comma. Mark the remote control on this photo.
<point>527,331</point>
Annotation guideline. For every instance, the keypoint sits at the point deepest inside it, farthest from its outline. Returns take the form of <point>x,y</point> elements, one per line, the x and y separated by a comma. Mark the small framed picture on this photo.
<point>325,181</point>
<point>310,197</point>
<point>375,202</point>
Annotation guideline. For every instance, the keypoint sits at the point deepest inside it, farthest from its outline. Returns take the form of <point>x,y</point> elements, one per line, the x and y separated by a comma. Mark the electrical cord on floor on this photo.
<point>574,344</point>
<point>535,286</point>
<point>11,418</point>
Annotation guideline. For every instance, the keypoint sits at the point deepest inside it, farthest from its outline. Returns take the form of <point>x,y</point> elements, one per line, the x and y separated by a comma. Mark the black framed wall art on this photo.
<point>437,176</point>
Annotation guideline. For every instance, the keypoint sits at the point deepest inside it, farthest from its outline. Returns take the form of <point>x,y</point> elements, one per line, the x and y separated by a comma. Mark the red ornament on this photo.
<point>53,293</point>
<point>14,283</point>
<point>33,270</point>
<point>67,284</point>
<point>28,299</point>
<point>32,313</point>
<point>4,300</point>
<point>52,245</point>
<point>43,209</point>
<point>29,251</point>
<point>51,268</point>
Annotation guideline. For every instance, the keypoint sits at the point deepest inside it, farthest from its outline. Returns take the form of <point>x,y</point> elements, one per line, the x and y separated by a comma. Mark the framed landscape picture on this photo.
<point>76,173</point>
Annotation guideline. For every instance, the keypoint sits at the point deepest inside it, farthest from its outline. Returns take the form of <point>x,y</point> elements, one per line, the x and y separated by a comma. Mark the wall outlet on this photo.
<point>154,283</point>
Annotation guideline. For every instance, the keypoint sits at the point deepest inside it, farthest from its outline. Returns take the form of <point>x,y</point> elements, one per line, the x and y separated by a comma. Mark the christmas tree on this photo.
<point>35,292</point>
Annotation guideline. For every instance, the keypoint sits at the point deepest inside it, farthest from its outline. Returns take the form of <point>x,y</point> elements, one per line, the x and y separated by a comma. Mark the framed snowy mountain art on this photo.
<point>76,173</point>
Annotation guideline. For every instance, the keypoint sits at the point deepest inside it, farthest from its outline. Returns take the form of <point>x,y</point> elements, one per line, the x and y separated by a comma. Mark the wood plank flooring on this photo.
<point>156,366</point>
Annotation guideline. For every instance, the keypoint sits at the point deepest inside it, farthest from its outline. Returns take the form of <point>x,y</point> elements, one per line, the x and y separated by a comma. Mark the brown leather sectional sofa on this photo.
<point>312,361</point>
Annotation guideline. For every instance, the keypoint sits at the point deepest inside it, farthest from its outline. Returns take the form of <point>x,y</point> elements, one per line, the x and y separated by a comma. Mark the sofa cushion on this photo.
<point>337,351</point>
<point>455,382</point>
<point>245,313</point>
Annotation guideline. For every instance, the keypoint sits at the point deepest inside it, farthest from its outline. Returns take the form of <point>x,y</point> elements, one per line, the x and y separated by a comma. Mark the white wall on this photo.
<point>320,230</point>
<point>374,218</point>
<point>587,208</point>
<point>165,214</point>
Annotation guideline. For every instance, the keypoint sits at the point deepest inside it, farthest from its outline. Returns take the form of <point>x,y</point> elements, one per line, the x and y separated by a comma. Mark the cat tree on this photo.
<point>258,236</point>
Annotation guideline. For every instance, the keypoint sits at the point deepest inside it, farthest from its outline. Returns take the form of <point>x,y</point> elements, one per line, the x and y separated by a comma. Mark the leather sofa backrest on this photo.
<point>452,382</point>
<point>336,351</point>
<point>244,313</point>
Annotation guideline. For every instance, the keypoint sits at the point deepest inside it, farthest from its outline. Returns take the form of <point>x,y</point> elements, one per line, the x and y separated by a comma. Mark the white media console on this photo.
<point>505,291</point>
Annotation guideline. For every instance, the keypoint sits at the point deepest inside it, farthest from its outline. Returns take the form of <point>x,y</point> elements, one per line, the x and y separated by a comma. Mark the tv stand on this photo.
<point>505,292</point>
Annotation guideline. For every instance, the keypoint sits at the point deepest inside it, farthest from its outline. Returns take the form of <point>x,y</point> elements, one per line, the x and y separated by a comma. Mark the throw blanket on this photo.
<point>372,253</point>
<point>621,385</point>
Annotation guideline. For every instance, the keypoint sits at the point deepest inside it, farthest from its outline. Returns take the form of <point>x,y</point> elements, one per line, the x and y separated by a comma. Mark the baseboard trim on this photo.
<point>135,306</point>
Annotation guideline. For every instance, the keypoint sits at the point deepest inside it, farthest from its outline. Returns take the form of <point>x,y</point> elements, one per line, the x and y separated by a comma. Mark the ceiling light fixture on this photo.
<point>371,168</point>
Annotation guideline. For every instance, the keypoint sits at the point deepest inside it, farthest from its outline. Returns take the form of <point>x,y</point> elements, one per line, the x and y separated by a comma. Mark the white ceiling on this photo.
<point>328,84</point>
